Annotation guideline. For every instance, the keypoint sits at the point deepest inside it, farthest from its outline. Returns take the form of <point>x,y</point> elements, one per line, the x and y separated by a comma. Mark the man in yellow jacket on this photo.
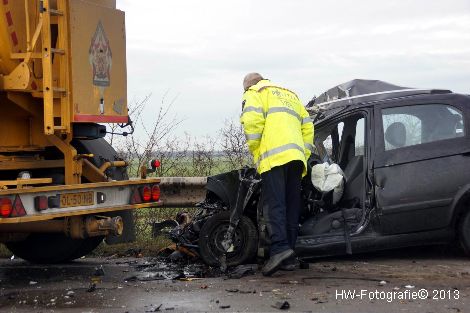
<point>279,134</point>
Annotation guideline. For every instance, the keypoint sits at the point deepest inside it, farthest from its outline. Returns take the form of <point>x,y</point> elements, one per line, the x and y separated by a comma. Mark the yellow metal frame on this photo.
<point>20,80</point>
<point>44,217</point>
<point>81,186</point>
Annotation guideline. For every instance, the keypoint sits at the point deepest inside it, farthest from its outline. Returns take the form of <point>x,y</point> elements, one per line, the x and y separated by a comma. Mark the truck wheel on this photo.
<point>52,248</point>
<point>211,236</point>
<point>464,233</point>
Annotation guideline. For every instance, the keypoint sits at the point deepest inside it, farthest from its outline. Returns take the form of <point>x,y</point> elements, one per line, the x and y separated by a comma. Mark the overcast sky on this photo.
<point>200,50</point>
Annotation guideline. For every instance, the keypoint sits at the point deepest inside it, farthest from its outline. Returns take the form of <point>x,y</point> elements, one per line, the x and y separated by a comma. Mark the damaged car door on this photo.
<point>420,163</point>
<point>344,140</point>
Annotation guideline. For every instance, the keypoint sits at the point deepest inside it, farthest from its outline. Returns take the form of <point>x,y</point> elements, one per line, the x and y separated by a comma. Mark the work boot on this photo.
<point>275,261</point>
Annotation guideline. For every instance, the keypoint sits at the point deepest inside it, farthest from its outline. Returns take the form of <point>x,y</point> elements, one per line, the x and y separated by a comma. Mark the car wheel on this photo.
<point>212,233</point>
<point>464,233</point>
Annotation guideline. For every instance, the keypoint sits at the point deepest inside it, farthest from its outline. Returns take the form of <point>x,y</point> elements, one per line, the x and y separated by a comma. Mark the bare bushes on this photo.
<point>187,155</point>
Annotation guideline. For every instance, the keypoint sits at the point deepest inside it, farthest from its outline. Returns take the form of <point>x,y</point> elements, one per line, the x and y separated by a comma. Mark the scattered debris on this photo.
<point>33,282</point>
<point>282,305</point>
<point>189,278</point>
<point>247,291</point>
<point>99,271</point>
<point>232,290</point>
<point>242,271</point>
<point>224,307</point>
<point>409,286</point>
<point>91,288</point>
<point>155,309</point>
<point>382,283</point>
<point>289,282</point>
<point>204,287</point>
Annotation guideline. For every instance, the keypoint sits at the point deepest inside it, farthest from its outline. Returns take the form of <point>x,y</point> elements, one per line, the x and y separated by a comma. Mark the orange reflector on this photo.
<point>155,192</point>
<point>5,207</point>
<point>146,193</point>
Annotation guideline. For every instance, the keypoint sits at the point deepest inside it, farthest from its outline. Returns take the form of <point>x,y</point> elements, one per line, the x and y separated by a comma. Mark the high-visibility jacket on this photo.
<point>278,129</point>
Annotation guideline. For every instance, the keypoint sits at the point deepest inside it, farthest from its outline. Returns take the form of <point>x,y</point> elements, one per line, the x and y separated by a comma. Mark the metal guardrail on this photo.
<point>182,191</point>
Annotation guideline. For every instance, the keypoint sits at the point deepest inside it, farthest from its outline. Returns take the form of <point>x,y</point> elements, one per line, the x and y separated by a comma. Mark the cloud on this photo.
<point>201,49</point>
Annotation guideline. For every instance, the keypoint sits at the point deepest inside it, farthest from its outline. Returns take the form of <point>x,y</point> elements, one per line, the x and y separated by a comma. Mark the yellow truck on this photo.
<point>63,188</point>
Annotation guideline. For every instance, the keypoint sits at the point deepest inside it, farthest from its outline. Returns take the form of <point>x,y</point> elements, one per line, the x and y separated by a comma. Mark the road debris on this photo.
<point>155,309</point>
<point>99,271</point>
<point>224,307</point>
<point>33,282</point>
<point>91,288</point>
<point>242,271</point>
<point>282,305</point>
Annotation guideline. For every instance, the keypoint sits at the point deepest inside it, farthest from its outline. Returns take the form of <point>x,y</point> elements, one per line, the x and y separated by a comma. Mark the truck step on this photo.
<point>58,51</point>
<point>60,90</point>
<point>54,12</point>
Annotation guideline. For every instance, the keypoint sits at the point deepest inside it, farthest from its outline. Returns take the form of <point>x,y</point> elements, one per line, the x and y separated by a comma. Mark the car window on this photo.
<point>413,125</point>
<point>352,128</point>
<point>359,139</point>
<point>328,141</point>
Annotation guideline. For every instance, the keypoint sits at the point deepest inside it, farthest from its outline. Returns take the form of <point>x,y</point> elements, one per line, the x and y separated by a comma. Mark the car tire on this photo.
<point>212,233</point>
<point>464,233</point>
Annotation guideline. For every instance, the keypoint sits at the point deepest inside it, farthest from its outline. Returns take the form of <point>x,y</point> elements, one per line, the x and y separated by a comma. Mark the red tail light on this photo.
<point>18,208</point>
<point>136,197</point>
<point>155,192</point>
<point>156,163</point>
<point>41,203</point>
<point>146,193</point>
<point>5,207</point>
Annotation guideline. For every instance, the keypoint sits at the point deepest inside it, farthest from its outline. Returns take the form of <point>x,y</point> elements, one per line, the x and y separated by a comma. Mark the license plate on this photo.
<point>68,200</point>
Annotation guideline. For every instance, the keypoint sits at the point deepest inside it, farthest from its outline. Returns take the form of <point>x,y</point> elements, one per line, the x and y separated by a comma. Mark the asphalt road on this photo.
<point>412,280</point>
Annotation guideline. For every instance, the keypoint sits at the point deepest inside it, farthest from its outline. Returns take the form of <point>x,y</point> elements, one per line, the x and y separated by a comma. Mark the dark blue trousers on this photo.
<point>282,204</point>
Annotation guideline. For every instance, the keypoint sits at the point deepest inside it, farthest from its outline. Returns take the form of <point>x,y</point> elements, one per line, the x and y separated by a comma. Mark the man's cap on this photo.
<point>251,79</point>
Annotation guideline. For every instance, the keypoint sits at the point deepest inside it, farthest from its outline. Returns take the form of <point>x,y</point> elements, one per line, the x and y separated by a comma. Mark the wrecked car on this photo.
<point>391,169</point>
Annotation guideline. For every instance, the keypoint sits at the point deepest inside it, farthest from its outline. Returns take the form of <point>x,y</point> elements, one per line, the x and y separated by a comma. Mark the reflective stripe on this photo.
<point>252,109</point>
<point>307,120</point>
<point>278,150</point>
<point>253,136</point>
<point>285,110</point>
<point>310,147</point>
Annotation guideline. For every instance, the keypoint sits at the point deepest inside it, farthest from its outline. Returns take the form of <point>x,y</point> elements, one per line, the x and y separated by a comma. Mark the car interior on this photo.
<point>342,143</point>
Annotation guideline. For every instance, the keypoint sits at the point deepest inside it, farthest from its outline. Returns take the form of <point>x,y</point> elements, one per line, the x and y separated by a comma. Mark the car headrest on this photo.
<point>396,134</point>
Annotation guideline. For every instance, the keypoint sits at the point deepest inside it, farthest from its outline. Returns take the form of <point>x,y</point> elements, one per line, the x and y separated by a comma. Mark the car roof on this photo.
<point>375,96</point>
<point>360,92</point>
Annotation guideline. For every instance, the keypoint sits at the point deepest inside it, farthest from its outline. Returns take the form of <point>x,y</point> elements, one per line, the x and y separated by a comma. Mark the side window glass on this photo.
<point>328,142</point>
<point>413,125</point>
<point>359,140</point>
